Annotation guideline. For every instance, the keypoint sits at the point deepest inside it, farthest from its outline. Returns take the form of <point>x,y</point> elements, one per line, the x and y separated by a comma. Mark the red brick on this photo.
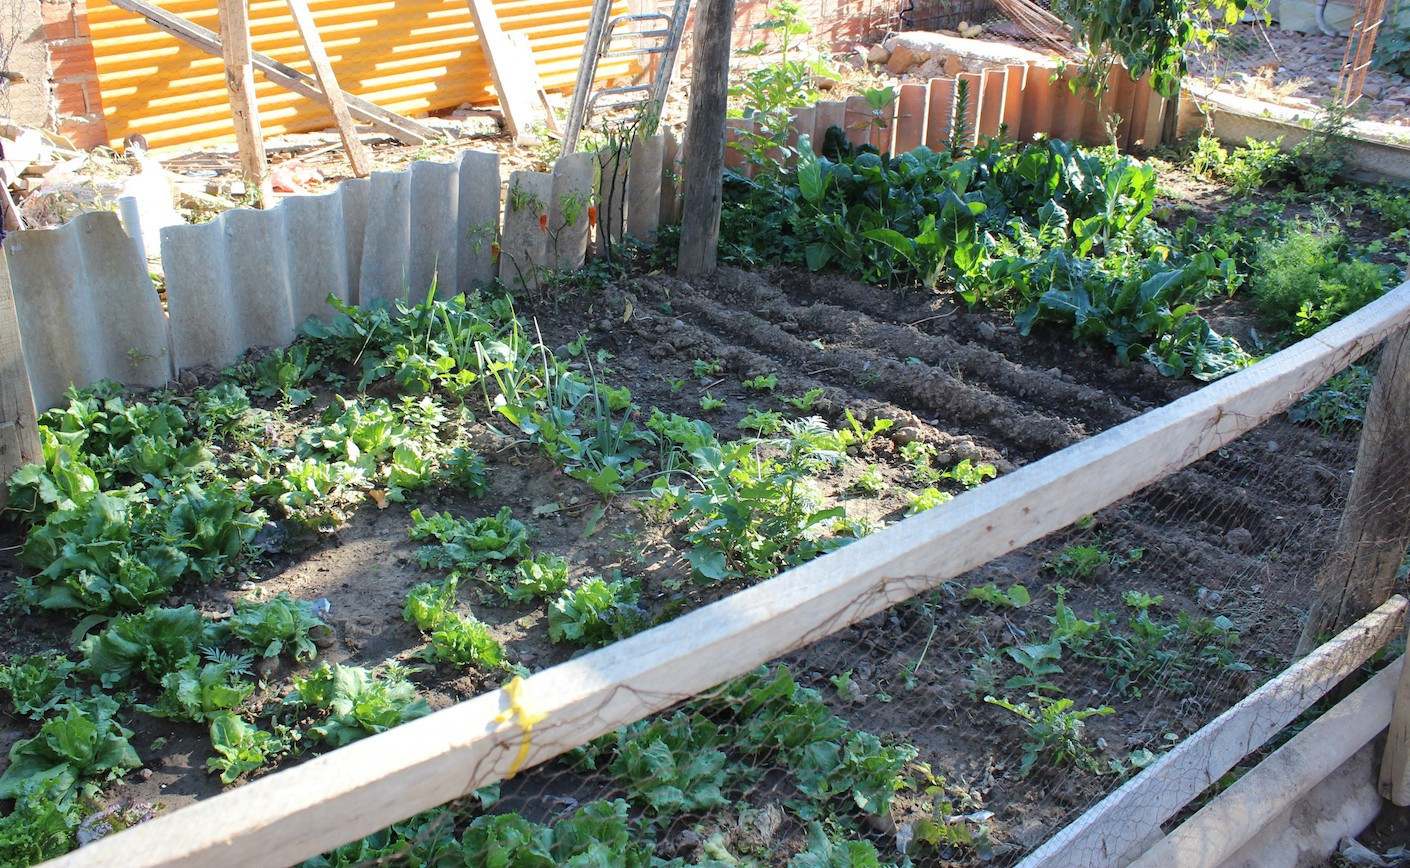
<point>55,11</point>
<point>58,30</point>
<point>88,131</point>
<point>72,61</point>
<point>80,22</point>
<point>72,97</point>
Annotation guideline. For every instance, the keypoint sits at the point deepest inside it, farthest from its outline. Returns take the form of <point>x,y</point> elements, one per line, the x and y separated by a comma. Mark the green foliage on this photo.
<point>673,765</point>
<point>423,840</point>
<point>762,383</point>
<point>153,643</point>
<point>804,402</point>
<point>1307,280</point>
<point>1326,152</point>
<point>82,744</point>
<point>38,684</point>
<point>768,91</point>
<point>1052,731</point>
<point>774,720</point>
<point>277,625</point>
<point>430,603</point>
<point>1051,231</point>
<point>539,578</point>
<point>928,498</point>
<point>39,828</point>
<point>1244,169</point>
<point>764,422</point>
<point>825,852</point>
<point>465,469</point>
<point>359,702</point>
<point>200,694</point>
<point>1014,598</point>
<point>1079,561</point>
<point>281,372</point>
<point>239,746</point>
<point>1147,37</point>
<point>597,612</point>
<point>464,641</point>
<point>464,544</point>
<point>871,481</point>
<point>1392,51</point>
<point>1338,406</point>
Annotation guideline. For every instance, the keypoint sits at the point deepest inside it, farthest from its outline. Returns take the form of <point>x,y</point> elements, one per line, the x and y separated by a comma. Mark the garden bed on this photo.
<point>608,452</point>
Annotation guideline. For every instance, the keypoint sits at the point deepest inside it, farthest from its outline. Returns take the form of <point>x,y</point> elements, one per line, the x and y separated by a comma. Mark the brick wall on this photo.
<point>73,75</point>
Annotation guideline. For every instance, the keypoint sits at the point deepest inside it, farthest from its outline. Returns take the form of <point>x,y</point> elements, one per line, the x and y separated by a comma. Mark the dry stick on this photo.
<point>353,791</point>
<point>1375,526</point>
<point>240,82</point>
<point>328,83</point>
<point>705,140</point>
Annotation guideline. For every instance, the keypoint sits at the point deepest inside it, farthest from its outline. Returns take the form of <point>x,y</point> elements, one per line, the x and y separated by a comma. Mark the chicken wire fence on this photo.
<point>971,722</point>
<point>21,54</point>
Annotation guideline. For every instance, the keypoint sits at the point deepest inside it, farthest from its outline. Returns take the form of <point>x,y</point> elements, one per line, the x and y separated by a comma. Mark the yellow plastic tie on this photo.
<point>520,713</point>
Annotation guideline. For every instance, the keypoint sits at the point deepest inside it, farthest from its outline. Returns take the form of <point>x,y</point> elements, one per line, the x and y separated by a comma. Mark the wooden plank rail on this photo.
<point>1220,828</point>
<point>353,791</point>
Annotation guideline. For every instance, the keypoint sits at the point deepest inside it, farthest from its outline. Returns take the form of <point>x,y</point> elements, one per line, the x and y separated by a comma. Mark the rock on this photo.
<point>322,636</point>
<point>903,436</point>
<point>824,82</point>
<point>1371,90</point>
<point>1208,599</point>
<point>987,331</point>
<point>878,54</point>
<point>1239,540</point>
<point>903,59</point>
<point>189,381</point>
<point>1356,853</point>
<point>270,669</point>
<point>1273,446</point>
<point>686,844</point>
<point>883,823</point>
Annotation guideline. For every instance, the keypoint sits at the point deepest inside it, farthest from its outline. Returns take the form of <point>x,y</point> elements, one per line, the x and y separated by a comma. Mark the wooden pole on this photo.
<point>240,82</point>
<point>705,139</point>
<point>328,83</point>
<point>512,72</point>
<point>19,431</point>
<point>1394,783</point>
<point>1375,526</point>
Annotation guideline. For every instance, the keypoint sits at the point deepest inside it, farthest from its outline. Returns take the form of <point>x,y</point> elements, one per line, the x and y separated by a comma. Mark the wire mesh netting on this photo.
<point>967,724</point>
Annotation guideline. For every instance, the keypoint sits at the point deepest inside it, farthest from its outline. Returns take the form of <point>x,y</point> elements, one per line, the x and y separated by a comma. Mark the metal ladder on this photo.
<point>606,34</point>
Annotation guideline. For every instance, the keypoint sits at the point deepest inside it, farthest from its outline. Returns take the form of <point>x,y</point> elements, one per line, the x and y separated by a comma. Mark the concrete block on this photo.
<point>476,219</point>
<point>86,308</point>
<point>644,186</point>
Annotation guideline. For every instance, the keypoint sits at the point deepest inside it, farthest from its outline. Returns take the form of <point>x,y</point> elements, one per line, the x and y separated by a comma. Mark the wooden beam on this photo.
<point>705,139</point>
<point>240,83</point>
<point>1394,783</point>
<point>512,72</point>
<point>1121,826</point>
<point>1235,816</point>
<point>403,129</point>
<point>1375,525</point>
<point>19,430</point>
<point>328,84</point>
<point>296,813</point>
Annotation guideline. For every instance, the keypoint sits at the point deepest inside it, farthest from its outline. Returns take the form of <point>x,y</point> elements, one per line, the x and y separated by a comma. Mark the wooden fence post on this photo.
<point>1375,526</point>
<point>19,431</point>
<point>328,82</point>
<point>705,139</point>
<point>240,81</point>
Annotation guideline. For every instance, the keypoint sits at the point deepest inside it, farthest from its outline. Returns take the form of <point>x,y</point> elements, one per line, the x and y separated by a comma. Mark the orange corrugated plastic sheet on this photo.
<point>409,56</point>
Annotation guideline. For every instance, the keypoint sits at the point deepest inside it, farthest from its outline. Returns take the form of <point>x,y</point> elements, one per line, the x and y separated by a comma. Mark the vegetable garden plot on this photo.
<point>534,508</point>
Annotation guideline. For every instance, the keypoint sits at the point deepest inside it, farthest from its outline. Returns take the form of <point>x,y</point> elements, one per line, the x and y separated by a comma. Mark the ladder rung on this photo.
<point>639,34</point>
<point>635,52</point>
